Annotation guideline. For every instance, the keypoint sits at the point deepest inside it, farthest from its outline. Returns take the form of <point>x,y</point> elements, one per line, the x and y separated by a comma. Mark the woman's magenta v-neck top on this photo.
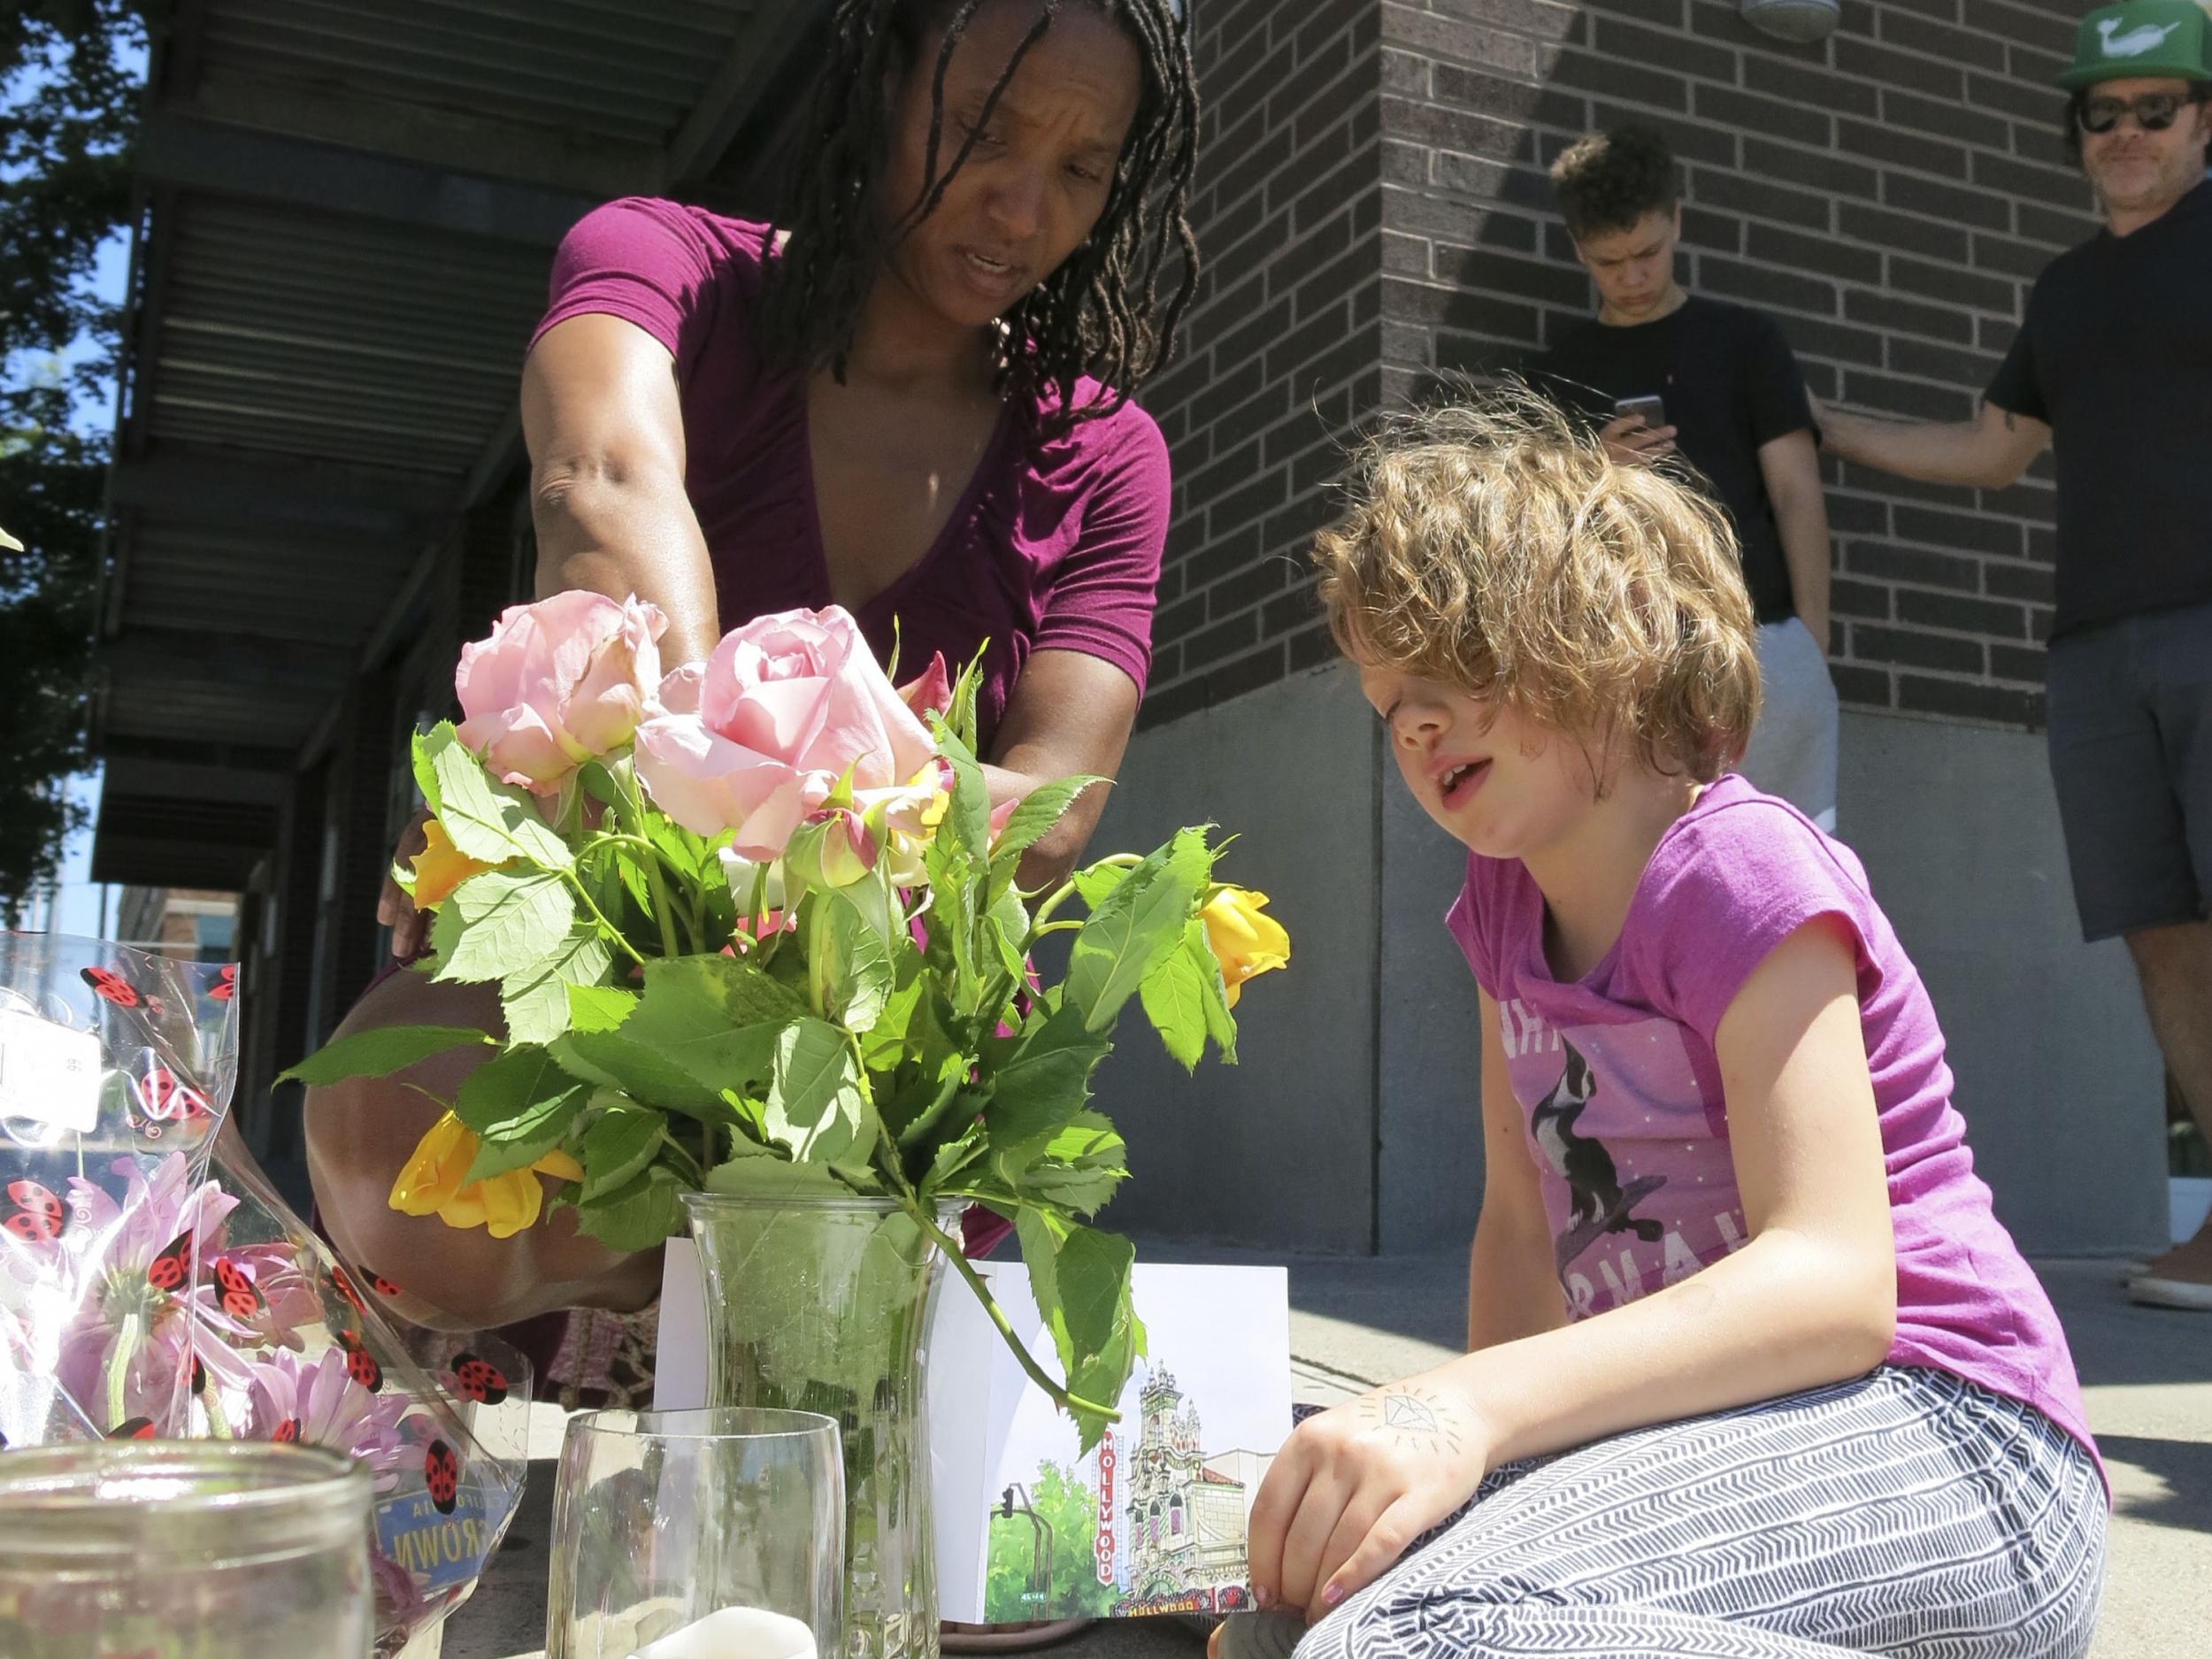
<point>1054,546</point>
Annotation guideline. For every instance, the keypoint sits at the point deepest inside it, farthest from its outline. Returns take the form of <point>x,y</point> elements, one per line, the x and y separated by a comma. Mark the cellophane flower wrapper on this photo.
<point>153,1284</point>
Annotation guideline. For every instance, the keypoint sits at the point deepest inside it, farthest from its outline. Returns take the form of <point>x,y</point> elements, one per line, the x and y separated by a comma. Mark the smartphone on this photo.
<point>1652,409</point>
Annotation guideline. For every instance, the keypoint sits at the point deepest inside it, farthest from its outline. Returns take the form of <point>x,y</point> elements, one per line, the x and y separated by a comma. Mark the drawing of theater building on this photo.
<point>1187,1511</point>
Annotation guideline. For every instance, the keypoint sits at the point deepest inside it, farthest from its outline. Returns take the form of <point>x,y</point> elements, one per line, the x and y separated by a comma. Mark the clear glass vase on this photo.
<point>189,1549</point>
<point>821,1305</point>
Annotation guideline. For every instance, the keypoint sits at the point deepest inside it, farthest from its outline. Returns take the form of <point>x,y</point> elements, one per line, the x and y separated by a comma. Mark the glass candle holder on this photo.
<point>711,1534</point>
<point>183,1549</point>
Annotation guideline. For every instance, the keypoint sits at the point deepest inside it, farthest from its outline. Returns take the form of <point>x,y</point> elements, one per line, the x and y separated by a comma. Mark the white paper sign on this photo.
<point>49,1073</point>
<point>1152,1520</point>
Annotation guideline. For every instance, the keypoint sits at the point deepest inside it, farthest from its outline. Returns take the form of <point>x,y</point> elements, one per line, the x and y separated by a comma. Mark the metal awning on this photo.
<point>347,208</point>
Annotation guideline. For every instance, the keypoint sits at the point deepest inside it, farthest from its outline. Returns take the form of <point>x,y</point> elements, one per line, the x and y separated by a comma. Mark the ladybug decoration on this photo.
<point>199,1377</point>
<point>112,986</point>
<point>480,1380</point>
<point>225,986</point>
<point>287,1432</point>
<point>31,1212</point>
<point>342,1287</point>
<point>241,1297</point>
<point>441,1474</point>
<point>162,1098</point>
<point>169,1270</point>
<point>382,1286</point>
<point>133,1429</point>
<point>360,1364</point>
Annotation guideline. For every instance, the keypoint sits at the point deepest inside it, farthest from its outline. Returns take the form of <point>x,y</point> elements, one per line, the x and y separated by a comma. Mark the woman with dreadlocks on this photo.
<point>911,399</point>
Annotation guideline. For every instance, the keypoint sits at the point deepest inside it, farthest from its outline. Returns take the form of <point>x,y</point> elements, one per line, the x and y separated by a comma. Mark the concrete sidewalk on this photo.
<point>1357,1322</point>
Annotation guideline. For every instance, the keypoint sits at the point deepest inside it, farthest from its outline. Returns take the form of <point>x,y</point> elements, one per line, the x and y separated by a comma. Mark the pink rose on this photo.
<point>930,692</point>
<point>558,683</point>
<point>757,740</point>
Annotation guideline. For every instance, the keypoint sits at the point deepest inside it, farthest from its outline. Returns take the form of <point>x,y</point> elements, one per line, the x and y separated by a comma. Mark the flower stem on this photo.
<point>1061,893</point>
<point>120,1366</point>
<point>1071,1402</point>
<point>599,916</point>
<point>661,911</point>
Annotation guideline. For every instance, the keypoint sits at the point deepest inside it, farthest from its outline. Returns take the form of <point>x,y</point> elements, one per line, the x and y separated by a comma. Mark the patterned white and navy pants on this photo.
<point>1905,1512</point>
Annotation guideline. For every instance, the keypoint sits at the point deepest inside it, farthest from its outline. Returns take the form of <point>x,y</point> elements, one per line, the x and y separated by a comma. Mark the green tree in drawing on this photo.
<point>1052,1532</point>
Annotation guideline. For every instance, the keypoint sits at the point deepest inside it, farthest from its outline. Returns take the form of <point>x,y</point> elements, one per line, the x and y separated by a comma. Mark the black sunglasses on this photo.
<point>2154,112</point>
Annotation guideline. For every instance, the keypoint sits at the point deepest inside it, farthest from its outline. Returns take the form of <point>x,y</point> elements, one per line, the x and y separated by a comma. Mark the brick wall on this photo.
<point>1887,195</point>
<point>1283,347</point>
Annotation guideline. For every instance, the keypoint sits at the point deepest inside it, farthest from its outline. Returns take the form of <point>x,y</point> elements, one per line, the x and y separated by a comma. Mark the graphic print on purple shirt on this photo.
<point>1641,1194</point>
<point>1626,1120</point>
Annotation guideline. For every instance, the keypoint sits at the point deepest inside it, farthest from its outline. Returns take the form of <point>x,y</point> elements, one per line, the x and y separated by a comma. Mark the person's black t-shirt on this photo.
<point>2116,357</point>
<point>1731,384</point>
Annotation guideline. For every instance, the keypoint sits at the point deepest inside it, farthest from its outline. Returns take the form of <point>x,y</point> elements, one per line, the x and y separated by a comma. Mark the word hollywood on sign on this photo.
<point>1106,1459</point>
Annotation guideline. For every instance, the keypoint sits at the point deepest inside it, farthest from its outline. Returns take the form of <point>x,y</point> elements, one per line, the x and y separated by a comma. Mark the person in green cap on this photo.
<point>2112,369</point>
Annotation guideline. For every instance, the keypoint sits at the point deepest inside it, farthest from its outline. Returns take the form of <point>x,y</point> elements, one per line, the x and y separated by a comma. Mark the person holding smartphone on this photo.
<point>1660,372</point>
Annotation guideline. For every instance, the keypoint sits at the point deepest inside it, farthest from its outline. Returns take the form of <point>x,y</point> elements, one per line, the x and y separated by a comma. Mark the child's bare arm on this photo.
<point>1512,1288</point>
<point>1811,1299</point>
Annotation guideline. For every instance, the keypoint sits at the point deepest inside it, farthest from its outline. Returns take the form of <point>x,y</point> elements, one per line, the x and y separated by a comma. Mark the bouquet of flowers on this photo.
<point>153,1286</point>
<point>759,927</point>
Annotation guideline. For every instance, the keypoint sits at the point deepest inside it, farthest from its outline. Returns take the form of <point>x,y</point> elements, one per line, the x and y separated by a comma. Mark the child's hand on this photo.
<point>1354,1485</point>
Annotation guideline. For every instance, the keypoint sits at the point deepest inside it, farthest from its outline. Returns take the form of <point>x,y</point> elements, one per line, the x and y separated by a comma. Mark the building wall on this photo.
<point>1887,195</point>
<point>1283,346</point>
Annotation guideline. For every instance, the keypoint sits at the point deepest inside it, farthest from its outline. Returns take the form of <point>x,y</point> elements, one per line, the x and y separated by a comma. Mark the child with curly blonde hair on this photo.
<point>1751,1368</point>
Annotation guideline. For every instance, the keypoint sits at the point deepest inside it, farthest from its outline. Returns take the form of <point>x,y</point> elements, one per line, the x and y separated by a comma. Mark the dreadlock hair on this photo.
<point>1101,313</point>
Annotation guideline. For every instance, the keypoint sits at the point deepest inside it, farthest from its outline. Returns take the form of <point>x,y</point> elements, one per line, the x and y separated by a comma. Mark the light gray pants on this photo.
<point>1792,751</point>
<point>1906,1512</point>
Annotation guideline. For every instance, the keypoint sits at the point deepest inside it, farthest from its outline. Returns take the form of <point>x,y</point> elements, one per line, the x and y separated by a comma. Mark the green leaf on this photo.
<point>621,1142</point>
<point>1041,1085</point>
<point>1081,1279</point>
<point>966,827</point>
<point>1221,1025</point>
<point>483,818</point>
<point>381,1052</point>
<point>535,1000</point>
<point>1134,926</point>
<point>425,774</point>
<point>1082,1167</point>
<point>885,1041</point>
<point>599,1007</point>
<point>768,1176</point>
<point>1174,997</point>
<point>637,1215</point>
<point>1095,882</point>
<point>613,1060</point>
<point>713,1017</point>
<point>856,978</point>
<point>1006,928</point>
<point>814,1110</point>
<point>520,1105</point>
<point>498,921</point>
<point>1033,819</point>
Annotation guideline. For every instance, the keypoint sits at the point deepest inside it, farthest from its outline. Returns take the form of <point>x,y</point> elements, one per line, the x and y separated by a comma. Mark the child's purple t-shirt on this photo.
<point>1623,1111</point>
<point>1054,547</point>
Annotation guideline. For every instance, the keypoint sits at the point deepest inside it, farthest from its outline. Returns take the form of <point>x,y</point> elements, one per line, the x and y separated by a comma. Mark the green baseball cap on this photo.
<point>2141,39</point>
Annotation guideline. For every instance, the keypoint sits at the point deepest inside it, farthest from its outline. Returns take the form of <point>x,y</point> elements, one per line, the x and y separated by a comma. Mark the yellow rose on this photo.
<point>430,1183</point>
<point>1243,942</point>
<point>440,867</point>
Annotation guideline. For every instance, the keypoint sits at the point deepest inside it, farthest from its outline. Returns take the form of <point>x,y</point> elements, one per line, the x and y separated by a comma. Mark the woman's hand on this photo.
<point>393,909</point>
<point>1353,1487</point>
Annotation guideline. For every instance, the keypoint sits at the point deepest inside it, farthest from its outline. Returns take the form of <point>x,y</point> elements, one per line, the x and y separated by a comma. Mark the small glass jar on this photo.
<point>183,1549</point>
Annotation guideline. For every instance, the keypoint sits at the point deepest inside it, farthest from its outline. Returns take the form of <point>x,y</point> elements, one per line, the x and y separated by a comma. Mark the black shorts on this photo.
<point>2131,736</point>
